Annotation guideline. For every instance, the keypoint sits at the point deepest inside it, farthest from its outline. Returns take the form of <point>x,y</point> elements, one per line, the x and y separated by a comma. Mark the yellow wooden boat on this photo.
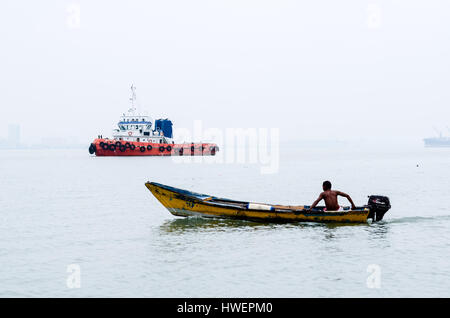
<point>186,203</point>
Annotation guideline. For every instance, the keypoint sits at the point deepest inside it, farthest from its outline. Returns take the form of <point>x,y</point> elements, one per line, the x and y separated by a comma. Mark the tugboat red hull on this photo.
<point>108,147</point>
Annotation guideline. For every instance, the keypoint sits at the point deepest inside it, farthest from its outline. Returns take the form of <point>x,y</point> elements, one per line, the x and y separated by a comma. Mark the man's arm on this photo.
<point>342,194</point>
<point>316,202</point>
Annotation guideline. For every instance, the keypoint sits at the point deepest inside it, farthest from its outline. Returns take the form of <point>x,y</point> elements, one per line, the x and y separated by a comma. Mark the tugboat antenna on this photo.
<point>133,97</point>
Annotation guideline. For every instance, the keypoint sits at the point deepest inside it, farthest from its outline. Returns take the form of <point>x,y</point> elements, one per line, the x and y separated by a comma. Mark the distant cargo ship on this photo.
<point>137,135</point>
<point>441,141</point>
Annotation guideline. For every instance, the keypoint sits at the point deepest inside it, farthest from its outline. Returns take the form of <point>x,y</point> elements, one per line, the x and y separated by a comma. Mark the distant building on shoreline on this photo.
<point>13,140</point>
<point>13,136</point>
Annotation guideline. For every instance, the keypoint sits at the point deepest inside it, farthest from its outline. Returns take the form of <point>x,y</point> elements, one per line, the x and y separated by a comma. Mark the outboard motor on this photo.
<point>378,206</point>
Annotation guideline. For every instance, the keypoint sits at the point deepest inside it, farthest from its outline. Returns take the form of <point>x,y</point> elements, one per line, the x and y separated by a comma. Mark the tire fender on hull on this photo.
<point>92,149</point>
<point>113,147</point>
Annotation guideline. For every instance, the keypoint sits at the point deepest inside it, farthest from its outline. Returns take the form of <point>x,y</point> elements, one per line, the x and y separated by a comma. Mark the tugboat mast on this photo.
<point>133,98</point>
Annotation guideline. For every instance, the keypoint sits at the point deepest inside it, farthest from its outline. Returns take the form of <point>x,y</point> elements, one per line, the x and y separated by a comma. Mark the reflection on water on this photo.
<point>181,225</point>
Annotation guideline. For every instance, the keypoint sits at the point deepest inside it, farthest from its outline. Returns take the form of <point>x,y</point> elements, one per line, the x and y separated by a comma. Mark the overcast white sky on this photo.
<point>374,70</point>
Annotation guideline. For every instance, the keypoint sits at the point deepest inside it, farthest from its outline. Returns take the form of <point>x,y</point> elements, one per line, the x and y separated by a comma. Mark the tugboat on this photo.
<point>137,135</point>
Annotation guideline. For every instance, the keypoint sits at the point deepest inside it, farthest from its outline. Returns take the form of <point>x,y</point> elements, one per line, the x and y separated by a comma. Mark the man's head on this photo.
<point>326,185</point>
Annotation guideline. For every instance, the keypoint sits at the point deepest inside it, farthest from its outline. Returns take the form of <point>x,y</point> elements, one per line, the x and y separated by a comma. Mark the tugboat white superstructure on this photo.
<point>137,135</point>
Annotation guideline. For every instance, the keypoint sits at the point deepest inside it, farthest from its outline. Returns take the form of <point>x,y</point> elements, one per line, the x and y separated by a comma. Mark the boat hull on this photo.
<point>185,203</point>
<point>437,142</point>
<point>110,147</point>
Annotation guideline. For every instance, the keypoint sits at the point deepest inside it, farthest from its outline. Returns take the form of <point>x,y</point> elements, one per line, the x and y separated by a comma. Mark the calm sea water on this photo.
<point>63,207</point>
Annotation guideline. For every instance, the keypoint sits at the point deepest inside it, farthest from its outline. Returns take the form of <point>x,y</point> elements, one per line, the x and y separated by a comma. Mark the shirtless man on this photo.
<point>330,198</point>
